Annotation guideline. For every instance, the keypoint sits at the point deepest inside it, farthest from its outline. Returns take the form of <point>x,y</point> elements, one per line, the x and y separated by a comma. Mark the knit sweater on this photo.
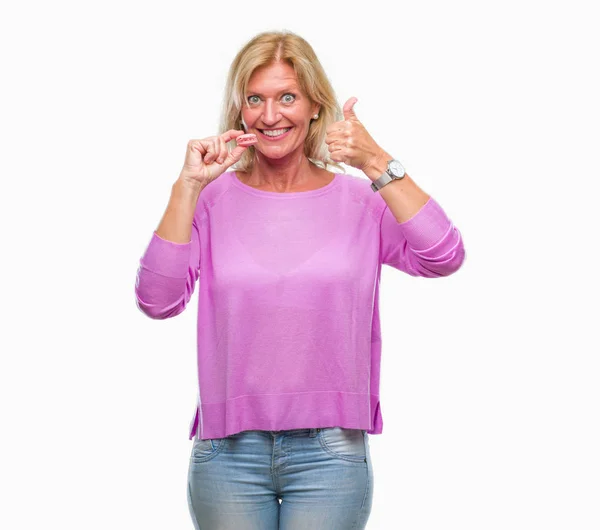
<point>288,299</point>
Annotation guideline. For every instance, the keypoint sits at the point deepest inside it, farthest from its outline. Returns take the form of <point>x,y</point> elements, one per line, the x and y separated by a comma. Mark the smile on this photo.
<point>275,134</point>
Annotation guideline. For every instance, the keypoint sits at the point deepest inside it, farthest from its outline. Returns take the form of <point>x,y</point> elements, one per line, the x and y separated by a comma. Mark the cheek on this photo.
<point>249,116</point>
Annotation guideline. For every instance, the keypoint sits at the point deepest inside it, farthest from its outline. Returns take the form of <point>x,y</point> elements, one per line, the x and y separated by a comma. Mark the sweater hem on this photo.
<point>275,412</point>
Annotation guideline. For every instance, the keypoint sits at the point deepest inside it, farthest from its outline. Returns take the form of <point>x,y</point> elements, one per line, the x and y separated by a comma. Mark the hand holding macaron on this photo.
<point>208,158</point>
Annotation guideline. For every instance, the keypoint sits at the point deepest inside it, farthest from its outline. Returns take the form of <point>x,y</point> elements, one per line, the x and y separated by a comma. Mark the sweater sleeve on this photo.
<point>166,276</point>
<point>428,244</point>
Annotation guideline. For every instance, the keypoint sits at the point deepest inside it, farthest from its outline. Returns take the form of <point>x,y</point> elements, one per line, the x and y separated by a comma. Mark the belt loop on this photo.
<point>313,432</point>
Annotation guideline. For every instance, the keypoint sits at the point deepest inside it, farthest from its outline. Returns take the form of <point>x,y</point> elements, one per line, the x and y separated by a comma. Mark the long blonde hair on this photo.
<point>262,50</point>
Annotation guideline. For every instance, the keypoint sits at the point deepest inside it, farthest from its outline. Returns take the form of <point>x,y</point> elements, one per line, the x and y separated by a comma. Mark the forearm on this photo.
<point>417,235</point>
<point>403,196</point>
<point>176,223</point>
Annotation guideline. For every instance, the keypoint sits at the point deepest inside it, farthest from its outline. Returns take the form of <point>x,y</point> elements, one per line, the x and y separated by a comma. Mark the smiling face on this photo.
<point>275,106</point>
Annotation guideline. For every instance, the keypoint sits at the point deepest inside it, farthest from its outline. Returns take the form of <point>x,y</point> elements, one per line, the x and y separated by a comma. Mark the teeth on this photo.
<point>276,132</point>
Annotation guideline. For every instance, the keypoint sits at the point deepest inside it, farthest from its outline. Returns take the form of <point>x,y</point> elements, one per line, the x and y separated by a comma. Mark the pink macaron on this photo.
<point>246,140</point>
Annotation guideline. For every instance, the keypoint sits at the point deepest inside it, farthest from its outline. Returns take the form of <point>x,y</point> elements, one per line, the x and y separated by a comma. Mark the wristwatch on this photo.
<point>394,171</point>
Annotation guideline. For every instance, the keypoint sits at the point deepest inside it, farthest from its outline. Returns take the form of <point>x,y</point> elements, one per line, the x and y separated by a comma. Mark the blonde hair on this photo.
<point>262,50</point>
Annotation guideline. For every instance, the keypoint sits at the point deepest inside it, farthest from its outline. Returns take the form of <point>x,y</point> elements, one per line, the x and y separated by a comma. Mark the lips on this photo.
<point>274,138</point>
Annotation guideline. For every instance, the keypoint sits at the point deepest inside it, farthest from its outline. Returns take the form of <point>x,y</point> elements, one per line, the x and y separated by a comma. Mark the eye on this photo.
<point>289,100</point>
<point>253,101</point>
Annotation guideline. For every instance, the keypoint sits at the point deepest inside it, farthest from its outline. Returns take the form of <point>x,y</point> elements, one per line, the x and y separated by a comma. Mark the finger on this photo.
<point>348,110</point>
<point>333,137</point>
<point>236,154</point>
<point>337,126</point>
<point>210,152</point>
<point>231,134</point>
<point>222,150</point>
<point>337,156</point>
<point>216,148</point>
<point>196,145</point>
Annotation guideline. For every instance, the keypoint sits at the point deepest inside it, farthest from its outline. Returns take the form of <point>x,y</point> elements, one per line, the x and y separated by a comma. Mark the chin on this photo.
<point>276,151</point>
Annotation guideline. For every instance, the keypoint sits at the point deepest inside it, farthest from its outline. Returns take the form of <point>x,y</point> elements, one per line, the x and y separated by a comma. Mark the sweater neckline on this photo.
<point>284,195</point>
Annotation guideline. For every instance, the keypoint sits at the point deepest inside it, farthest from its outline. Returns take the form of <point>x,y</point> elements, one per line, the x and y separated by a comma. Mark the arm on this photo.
<point>176,224</point>
<point>428,244</point>
<point>169,268</point>
<point>417,236</point>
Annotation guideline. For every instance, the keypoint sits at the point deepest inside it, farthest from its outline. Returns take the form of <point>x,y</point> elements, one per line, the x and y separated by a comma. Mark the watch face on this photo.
<point>396,168</point>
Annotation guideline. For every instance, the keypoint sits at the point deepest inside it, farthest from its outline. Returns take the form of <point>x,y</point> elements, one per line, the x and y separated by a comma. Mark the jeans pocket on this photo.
<point>346,444</point>
<point>204,450</point>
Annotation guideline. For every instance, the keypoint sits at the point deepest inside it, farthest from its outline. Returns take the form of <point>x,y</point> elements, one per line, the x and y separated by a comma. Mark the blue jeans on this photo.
<point>323,478</point>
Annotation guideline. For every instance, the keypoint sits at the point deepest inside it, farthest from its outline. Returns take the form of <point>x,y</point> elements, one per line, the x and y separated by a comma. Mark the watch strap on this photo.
<point>387,177</point>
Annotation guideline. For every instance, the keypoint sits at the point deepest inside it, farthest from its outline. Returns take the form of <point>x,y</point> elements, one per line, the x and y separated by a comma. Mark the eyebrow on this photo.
<point>288,89</point>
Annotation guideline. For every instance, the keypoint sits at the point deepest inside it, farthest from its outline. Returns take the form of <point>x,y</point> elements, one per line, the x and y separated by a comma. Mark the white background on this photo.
<point>489,388</point>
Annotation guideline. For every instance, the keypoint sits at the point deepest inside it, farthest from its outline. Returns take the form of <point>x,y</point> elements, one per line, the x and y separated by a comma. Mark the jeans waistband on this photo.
<point>312,432</point>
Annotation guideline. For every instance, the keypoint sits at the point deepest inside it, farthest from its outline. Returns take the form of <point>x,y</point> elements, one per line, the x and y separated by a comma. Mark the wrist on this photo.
<point>187,185</point>
<point>378,165</point>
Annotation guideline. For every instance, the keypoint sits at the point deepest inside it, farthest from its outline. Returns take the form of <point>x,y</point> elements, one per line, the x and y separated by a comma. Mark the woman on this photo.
<point>289,257</point>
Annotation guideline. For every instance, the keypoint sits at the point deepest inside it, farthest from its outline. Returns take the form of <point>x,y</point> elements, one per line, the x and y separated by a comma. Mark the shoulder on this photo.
<point>218,186</point>
<point>359,189</point>
<point>355,182</point>
<point>212,192</point>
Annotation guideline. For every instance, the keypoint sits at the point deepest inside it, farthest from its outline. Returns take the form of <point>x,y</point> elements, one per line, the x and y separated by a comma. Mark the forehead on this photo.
<point>273,77</point>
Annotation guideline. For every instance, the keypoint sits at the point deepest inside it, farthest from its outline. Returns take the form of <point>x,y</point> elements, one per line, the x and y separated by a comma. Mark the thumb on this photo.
<point>235,154</point>
<point>349,113</point>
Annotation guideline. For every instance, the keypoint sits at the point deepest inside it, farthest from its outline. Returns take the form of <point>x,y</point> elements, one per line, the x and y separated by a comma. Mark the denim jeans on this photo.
<point>323,478</point>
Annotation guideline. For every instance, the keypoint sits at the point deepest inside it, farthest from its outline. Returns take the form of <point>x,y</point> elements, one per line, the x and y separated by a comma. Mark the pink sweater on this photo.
<point>288,299</point>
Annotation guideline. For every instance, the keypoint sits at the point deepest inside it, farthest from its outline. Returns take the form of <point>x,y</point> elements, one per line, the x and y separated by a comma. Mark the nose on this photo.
<point>271,114</point>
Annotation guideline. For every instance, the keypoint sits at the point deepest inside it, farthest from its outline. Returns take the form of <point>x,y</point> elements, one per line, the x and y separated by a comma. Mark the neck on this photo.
<point>280,174</point>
